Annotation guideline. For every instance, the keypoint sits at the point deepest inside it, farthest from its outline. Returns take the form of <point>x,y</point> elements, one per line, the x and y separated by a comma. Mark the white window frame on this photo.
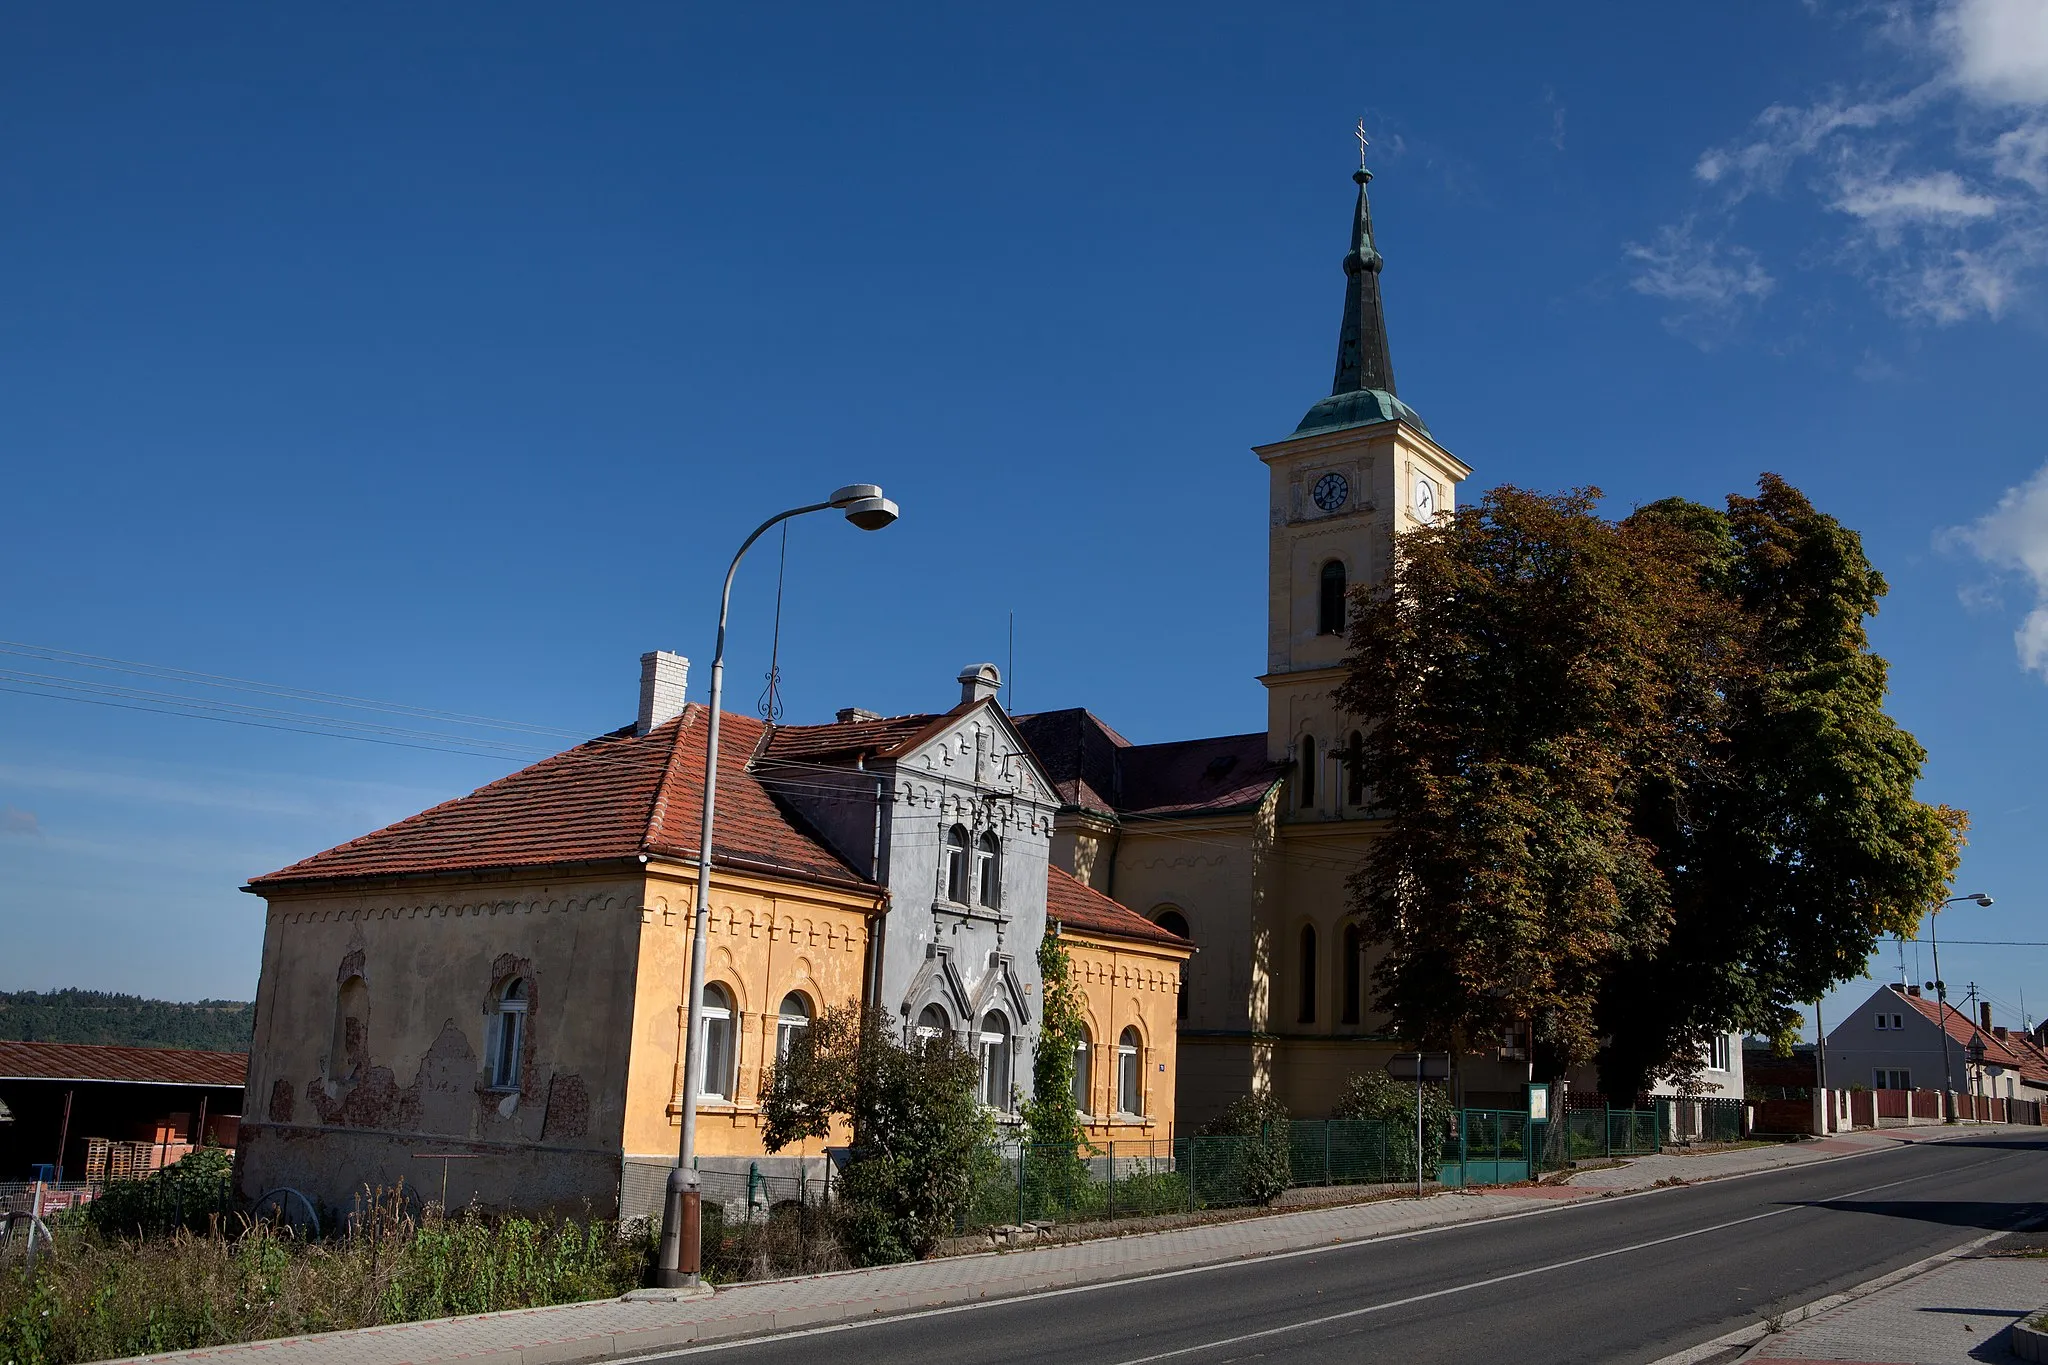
<point>721,1034</point>
<point>997,1057</point>
<point>787,1024</point>
<point>988,871</point>
<point>1130,1073</point>
<point>953,864</point>
<point>508,1034</point>
<point>1720,1054</point>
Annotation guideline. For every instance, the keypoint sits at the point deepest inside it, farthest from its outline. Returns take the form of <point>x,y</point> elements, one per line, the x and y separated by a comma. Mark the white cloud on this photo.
<point>1938,196</point>
<point>1710,283</point>
<point>1997,49</point>
<point>1936,168</point>
<point>2012,538</point>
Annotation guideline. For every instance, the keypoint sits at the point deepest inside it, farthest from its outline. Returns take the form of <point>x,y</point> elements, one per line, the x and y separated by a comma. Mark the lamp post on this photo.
<point>681,1258</point>
<point>1941,994</point>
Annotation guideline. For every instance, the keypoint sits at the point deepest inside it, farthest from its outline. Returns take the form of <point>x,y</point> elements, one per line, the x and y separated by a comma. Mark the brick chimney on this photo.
<point>1913,991</point>
<point>663,682</point>
<point>1984,1014</point>
<point>854,715</point>
<point>1998,1032</point>
<point>978,682</point>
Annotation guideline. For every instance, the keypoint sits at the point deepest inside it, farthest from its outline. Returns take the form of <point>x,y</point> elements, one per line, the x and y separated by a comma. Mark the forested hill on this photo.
<point>75,1016</point>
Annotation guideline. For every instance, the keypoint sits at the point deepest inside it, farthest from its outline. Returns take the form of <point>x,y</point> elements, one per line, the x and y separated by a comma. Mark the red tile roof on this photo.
<point>1074,904</point>
<point>1964,1030</point>
<point>848,739</point>
<point>1098,770</point>
<point>136,1065</point>
<point>613,798</point>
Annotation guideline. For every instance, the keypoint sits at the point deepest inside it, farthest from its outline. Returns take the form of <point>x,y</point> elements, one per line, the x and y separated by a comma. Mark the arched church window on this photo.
<point>1330,600</point>
<point>1308,974</point>
<point>1354,769</point>
<point>508,1034</point>
<point>1174,922</point>
<point>1354,974</point>
<point>954,873</point>
<point>988,870</point>
<point>1307,780</point>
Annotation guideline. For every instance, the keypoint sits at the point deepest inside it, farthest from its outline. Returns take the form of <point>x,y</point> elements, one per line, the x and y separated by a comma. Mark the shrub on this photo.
<point>1376,1095</point>
<point>192,1194</point>
<point>1261,1120</point>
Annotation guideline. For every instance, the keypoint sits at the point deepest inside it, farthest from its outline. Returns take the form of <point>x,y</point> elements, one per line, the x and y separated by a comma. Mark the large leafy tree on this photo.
<point>1639,781</point>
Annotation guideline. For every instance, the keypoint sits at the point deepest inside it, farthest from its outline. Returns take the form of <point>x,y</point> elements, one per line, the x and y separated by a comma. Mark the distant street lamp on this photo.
<point>1941,993</point>
<point>681,1258</point>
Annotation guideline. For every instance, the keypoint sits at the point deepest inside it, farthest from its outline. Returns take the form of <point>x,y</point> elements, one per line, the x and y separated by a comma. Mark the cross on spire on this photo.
<point>1362,144</point>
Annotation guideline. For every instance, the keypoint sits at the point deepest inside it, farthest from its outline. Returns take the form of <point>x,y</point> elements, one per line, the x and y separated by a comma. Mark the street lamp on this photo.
<point>1941,993</point>
<point>681,1258</point>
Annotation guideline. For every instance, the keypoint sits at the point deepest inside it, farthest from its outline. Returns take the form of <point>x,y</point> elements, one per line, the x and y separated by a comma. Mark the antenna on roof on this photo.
<point>770,704</point>
<point>1011,672</point>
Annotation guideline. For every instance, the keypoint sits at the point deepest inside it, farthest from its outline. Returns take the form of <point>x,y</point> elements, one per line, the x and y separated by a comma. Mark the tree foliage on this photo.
<point>81,1016</point>
<point>1640,783</point>
<point>1374,1096</point>
<point>1050,1113</point>
<point>918,1130</point>
<point>1262,1121</point>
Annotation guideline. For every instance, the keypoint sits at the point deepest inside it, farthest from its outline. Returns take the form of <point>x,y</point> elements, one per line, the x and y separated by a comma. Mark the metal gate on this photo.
<point>1493,1148</point>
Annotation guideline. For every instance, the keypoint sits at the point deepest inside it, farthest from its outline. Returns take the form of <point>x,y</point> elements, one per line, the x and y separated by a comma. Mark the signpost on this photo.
<point>1421,1066</point>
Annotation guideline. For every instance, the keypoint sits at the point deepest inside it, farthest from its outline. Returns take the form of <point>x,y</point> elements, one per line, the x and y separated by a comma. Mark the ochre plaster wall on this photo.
<point>766,938</point>
<point>1124,985</point>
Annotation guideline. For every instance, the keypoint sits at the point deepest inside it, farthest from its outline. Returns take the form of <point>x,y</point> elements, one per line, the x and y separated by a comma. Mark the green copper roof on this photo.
<point>1358,408</point>
<point>1363,390</point>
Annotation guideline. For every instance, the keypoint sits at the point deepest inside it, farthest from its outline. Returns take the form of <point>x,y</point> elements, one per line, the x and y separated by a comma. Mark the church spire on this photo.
<point>1363,358</point>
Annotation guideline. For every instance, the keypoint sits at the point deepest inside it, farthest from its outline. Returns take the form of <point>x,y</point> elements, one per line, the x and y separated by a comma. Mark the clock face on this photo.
<point>1425,497</point>
<point>1330,492</point>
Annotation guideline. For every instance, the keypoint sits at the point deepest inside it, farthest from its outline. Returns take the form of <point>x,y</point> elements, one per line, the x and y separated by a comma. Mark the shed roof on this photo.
<point>133,1065</point>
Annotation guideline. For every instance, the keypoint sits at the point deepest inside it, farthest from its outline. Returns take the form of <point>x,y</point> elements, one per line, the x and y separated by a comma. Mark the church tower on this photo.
<point>1360,468</point>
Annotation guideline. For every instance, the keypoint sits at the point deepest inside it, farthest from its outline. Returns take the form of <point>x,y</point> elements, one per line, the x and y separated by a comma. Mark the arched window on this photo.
<point>1308,974</point>
<point>932,1024</point>
<point>1082,1052</point>
<point>508,1034</point>
<point>1174,922</point>
<point>792,1018</point>
<point>1354,974</point>
<point>1130,1090</point>
<point>719,1052</point>
<point>1330,602</point>
<point>1308,773</point>
<point>1354,769</point>
<point>351,1041</point>
<point>995,1061</point>
<point>954,873</point>
<point>988,870</point>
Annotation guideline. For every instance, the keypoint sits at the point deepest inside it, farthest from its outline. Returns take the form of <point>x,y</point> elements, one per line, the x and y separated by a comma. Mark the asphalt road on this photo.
<point>1626,1279</point>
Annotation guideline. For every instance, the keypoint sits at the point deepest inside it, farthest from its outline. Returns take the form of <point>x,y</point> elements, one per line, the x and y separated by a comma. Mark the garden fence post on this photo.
<point>1327,1180</point>
<point>1020,1184</point>
<point>1112,1182</point>
<point>1191,1173</point>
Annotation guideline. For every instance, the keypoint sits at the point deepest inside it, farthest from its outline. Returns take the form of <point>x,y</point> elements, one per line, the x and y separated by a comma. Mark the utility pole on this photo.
<point>1820,1072</point>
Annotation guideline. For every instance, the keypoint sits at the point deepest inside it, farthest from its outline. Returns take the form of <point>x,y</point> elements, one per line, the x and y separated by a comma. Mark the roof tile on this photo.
<point>98,1062</point>
<point>1073,904</point>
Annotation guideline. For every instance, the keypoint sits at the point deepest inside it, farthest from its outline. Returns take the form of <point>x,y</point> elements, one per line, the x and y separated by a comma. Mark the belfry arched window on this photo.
<point>1354,770</point>
<point>1174,922</point>
<point>1307,778</point>
<point>954,873</point>
<point>1330,600</point>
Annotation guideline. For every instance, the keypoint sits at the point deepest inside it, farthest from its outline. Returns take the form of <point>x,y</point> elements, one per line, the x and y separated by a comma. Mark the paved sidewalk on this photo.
<point>574,1333</point>
<point>1954,1314</point>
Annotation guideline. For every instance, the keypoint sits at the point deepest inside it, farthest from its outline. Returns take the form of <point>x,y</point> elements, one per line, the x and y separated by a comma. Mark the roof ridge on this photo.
<point>657,809</point>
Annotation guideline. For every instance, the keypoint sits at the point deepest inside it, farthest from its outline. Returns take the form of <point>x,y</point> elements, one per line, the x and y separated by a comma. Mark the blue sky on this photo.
<point>441,356</point>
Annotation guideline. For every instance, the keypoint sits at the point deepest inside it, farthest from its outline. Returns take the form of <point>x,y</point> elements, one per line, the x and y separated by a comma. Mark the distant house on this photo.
<point>101,1111</point>
<point>1900,1040</point>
